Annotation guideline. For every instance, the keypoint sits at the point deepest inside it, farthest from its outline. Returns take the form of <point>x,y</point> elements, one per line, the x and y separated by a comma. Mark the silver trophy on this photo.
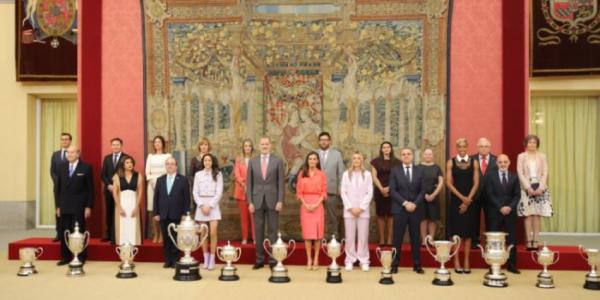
<point>126,253</point>
<point>229,254</point>
<point>592,279</point>
<point>333,249</point>
<point>545,257</point>
<point>495,255</point>
<point>442,255</point>
<point>76,242</point>
<point>386,257</point>
<point>27,256</point>
<point>188,241</point>
<point>279,251</point>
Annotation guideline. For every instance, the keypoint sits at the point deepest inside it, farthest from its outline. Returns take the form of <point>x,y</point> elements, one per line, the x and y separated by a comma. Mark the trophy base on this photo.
<point>591,285</point>
<point>386,280</point>
<point>187,272</point>
<point>334,276</point>
<point>75,270</point>
<point>440,282</point>
<point>544,281</point>
<point>126,275</point>
<point>26,271</point>
<point>229,274</point>
<point>279,275</point>
<point>279,279</point>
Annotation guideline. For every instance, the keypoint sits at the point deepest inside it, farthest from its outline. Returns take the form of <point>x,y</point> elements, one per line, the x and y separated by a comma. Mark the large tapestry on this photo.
<point>365,71</point>
<point>565,37</point>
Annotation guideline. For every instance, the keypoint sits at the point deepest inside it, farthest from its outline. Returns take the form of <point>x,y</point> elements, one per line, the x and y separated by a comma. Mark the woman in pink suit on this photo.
<point>241,165</point>
<point>357,191</point>
<point>311,191</point>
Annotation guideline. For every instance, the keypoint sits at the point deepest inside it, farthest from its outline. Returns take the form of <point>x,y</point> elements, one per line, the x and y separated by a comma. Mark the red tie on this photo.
<point>483,164</point>
<point>263,167</point>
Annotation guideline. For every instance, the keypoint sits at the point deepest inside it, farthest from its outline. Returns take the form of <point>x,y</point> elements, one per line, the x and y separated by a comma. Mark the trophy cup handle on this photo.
<point>293,248</point>
<point>86,237</point>
<point>239,253</point>
<point>40,250</point>
<point>394,252</point>
<point>66,237</point>
<point>427,242</point>
<point>378,253</point>
<point>533,257</point>
<point>135,251</point>
<point>170,228</point>
<point>219,253</point>
<point>557,258</point>
<point>581,253</point>
<point>118,250</point>
<point>456,239</point>
<point>342,248</point>
<point>267,246</point>
<point>202,237</point>
<point>482,250</point>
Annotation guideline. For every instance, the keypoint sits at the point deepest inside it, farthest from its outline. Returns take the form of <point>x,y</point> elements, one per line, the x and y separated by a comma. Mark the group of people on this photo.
<point>405,195</point>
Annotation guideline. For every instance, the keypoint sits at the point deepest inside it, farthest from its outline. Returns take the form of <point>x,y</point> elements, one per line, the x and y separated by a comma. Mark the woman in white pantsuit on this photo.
<point>127,192</point>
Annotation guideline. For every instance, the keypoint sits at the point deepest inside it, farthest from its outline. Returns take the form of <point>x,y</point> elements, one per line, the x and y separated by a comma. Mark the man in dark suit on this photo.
<point>171,201</point>
<point>265,191</point>
<point>407,196</point>
<point>487,165</point>
<point>109,168</point>
<point>74,197</point>
<point>503,194</point>
<point>59,157</point>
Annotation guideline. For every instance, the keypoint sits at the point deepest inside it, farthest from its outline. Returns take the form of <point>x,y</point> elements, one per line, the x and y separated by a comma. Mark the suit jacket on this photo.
<point>175,204</point>
<point>55,162</point>
<point>401,189</point>
<point>73,194</point>
<point>271,189</point>
<point>334,169</point>
<point>499,196</point>
<point>525,173</point>
<point>108,170</point>
<point>492,168</point>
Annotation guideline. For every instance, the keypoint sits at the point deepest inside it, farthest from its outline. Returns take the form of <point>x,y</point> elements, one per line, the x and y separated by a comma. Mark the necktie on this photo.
<point>115,160</point>
<point>71,169</point>
<point>483,164</point>
<point>504,180</point>
<point>64,155</point>
<point>169,184</point>
<point>408,174</point>
<point>324,155</point>
<point>263,167</point>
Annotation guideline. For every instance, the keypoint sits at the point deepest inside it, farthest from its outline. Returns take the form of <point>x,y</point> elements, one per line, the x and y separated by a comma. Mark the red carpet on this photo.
<point>570,258</point>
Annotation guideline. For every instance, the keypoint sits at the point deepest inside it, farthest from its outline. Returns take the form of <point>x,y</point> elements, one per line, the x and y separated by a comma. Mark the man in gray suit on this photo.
<point>265,191</point>
<point>333,166</point>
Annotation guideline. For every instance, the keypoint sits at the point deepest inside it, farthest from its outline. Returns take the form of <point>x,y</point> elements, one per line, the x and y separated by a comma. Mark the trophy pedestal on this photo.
<point>279,275</point>
<point>592,281</point>
<point>229,274</point>
<point>75,270</point>
<point>545,281</point>
<point>442,278</point>
<point>126,272</point>
<point>26,270</point>
<point>386,278</point>
<point>334,275</point>
<point>187,272</point>
<point>495,280</point>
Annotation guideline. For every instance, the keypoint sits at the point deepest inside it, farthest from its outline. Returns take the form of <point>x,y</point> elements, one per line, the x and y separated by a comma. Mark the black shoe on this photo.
<point>62,262</point>
<point>105,240</point>
<point>418,270</point>
<point>172,266</point>
<point>513,270</point>
<point>166,265</point>
<point>394,270</point>
<point>467,271</point>
<point>258,266</point>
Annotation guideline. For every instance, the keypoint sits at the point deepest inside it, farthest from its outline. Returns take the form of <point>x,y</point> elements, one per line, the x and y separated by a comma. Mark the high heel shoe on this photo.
<point>458,271</point>
<point>529,246</point>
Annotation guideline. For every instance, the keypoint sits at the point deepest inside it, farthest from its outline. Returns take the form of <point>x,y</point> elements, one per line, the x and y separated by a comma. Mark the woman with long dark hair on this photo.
<point>127,192</point>
<point>380,172</point>
<point>155,167</point>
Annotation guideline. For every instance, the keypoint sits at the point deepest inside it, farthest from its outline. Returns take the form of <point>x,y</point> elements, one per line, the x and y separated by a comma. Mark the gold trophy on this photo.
<point>386,257</point>
<point>592,279</point>
<point>279,251</point>
<point>126,253</point>
<point>76,242</point>
<point>334,250</point>
<point>442,255</point>
<point>495,255</point>
<point>28,255</point>
<point>545,257</point>
<point>188,241</point>
<point>229,254</point>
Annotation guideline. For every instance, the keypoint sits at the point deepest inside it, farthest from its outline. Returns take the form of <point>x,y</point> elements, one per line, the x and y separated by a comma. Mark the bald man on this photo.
<point>487,165</point>
<point>74,197</point>
<point>503,194</point>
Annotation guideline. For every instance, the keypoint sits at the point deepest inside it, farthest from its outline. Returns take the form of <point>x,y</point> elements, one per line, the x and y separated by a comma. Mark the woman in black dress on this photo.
<point>433,183</point>
<point>462,179</point>
<point>382,167</point>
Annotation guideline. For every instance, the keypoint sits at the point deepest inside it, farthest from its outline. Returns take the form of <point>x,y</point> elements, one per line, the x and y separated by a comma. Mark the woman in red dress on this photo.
<point>311,191</point>
<point>240,169</point>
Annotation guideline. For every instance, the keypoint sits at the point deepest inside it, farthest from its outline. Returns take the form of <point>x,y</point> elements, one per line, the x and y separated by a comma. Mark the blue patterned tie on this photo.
<point>169,184</point>
<point>71,170</point>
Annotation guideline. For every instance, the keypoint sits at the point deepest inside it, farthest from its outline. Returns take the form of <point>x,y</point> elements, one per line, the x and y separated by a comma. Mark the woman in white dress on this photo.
<point>208,190</point>
<point>155,167</point>
<point>535,202</point>
<point>127,192</point>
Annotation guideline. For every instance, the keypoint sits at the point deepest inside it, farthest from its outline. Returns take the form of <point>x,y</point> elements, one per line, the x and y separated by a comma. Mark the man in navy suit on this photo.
<point>74,197</point>
<point>407,194</point>
<point>59,157</point>
<point>110,165</point>
<point>487,165</point>
<point>171,201</point>
<point>503,194</point>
